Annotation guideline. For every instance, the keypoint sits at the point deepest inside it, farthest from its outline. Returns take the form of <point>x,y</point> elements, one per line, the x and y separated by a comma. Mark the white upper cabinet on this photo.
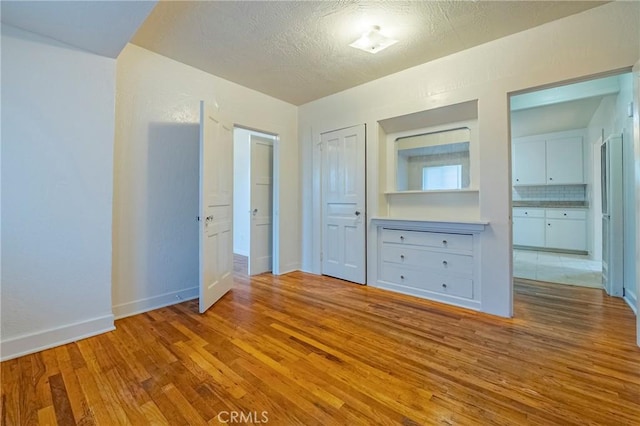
<point>565,161</point>
<point>528,162</point>
<point>548,161</point>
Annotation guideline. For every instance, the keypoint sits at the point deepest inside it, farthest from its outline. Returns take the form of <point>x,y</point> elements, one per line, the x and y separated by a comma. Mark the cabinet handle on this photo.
<point>402,256</point>
<point>444,242</point>
<point>526,212</point>
<point>402,277</point>
<point>550,178</point>
<point>401,238</point>
<point>565,214</point>
<point>444,262</point>
<point>517,180</point>
<point>444,285</point>
<point>548,224</point>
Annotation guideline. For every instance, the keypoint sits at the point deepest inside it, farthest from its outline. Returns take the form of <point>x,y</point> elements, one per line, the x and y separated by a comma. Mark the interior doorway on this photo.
<point>557,136</point>
<point>254,237</point>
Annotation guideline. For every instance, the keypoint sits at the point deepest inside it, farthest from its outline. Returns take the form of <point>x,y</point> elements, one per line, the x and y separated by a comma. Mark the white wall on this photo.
<point>602,119</point>
<point>554,52</point>
<point>241,190</point>
<point>624,124</point>
<point>157,111</point>
<point>57,183</point>
<point>612,117</point>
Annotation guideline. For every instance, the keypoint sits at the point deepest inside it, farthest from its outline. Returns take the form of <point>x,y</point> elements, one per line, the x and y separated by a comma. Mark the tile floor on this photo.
<point>559,268</point>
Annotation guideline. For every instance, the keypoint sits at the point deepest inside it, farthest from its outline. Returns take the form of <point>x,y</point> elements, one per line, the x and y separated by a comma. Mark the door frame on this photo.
<point>635,78</point>
<point>635,70</point>
<point>319,188</point>
<point>275,217</point>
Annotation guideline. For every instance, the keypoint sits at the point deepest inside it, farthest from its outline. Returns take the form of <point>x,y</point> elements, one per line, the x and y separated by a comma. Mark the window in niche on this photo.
<point>442,177</point>
<point>433,161</point>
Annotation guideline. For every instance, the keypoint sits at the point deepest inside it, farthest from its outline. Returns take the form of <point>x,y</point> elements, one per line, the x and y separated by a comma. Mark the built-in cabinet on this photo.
<point>528,227</point>
<point>428,242</point>
<point>548,161</point>
<point>434,260</point>
<point>551,228</point>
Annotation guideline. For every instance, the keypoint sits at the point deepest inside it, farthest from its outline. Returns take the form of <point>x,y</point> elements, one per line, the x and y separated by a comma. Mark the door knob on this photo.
<point>357,213</point>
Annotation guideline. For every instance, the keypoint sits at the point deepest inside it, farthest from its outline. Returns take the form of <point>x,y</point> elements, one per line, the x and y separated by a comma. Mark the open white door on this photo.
<point>216,210</point>
<point>261,224</point>
<point>343,204</point>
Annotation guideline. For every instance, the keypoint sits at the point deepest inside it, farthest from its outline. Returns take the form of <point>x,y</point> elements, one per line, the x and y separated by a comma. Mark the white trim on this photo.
<point>432,225</point>
<point>632,304</point>
<point>45,339</point>
<point>432,191</point>
<point>290,267</point>
<point>155,302</point>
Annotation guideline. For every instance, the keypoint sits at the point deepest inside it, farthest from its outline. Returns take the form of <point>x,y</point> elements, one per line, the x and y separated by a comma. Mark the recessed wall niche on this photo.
<point>429,163</point>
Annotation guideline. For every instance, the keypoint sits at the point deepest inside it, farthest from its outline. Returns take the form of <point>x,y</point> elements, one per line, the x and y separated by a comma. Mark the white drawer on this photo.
<point>566,214</point>
<point>419,279</point>
<point>526,212</point>
<point>440,261</point>
<point>428,239</point>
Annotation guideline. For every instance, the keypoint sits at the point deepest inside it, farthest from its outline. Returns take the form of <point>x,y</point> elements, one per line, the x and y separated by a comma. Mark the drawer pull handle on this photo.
<point>402,277</point>
<point>444,285</point>
<point>401,238</point>
<point>550,178</point>
<point>565,214</point>
<point>445,263</point>
<point>444,242</point>
<point>548,224</point>
<point>402,256</point>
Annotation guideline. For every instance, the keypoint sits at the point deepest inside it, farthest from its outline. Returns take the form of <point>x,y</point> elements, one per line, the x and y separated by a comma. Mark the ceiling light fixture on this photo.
<point>373,41</point>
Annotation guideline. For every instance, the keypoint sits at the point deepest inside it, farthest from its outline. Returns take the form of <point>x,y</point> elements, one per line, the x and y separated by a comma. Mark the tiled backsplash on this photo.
<point>550,193</point>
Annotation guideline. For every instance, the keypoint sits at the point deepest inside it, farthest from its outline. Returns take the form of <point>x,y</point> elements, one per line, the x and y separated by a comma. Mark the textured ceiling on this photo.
<point>298,51</point>
<point>102,27</point>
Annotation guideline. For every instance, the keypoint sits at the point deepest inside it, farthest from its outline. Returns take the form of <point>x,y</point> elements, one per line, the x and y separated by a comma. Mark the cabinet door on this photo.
<point>565,161</point>
<point>528,231</point>
<point>528,163</point>
<point>566,234</point>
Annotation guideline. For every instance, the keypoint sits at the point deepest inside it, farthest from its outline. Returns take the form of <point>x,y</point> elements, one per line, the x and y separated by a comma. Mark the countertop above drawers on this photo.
<point>552,204</point>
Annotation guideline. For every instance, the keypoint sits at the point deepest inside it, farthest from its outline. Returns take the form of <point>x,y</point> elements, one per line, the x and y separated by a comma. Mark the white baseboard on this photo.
<point>632,303</point>
<point>291,267</point>
<point>150,303</point>
<point>45,339</point>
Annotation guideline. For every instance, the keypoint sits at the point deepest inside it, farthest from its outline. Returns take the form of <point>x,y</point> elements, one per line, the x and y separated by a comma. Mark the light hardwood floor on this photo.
<point>312,350</point>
